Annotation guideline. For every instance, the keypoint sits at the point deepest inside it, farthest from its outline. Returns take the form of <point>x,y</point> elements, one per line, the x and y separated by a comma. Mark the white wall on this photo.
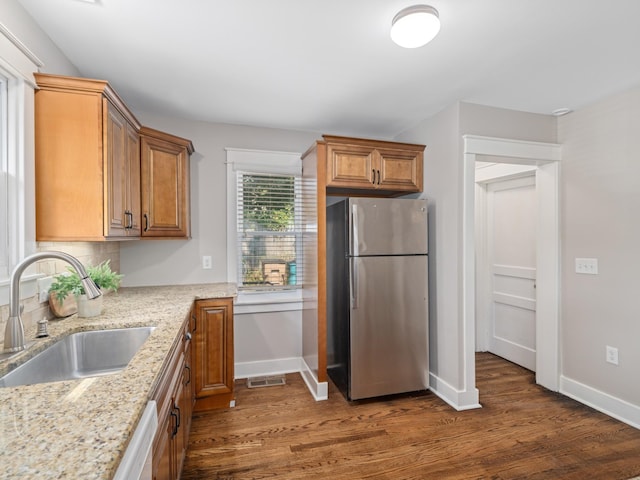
<point>600,199</point>
<point>441,180</point>
<point>20,23</point>
<point>161,262</point>
<point>265,343</point>
<point>442,134</point>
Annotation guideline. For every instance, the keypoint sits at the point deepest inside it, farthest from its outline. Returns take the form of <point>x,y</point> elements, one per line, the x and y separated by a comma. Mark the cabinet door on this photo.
<point>213,349</point>
<point>165,189</point>
<point>133,184</point>
<point>178,436</point>
<point>115,152</point>
<point>188,395</point>
<point>400,170</point>
<point>122,175</point>
<point>162,453</point>
<point>350,166</point>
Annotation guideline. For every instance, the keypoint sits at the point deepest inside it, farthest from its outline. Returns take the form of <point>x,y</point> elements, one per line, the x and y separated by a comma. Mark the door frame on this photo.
<point>545,158</point>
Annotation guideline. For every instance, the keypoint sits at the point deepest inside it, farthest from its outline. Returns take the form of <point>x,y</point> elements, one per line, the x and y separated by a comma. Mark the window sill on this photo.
<point>28,287</point>
<point>264,302</point>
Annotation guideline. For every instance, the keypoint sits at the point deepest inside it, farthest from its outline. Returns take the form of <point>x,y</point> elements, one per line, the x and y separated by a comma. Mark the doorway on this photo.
<point>543,158</point>
<point>506,215</point>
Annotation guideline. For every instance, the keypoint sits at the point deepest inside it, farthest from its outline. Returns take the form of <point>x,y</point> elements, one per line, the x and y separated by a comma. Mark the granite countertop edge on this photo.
<point>81,428</point>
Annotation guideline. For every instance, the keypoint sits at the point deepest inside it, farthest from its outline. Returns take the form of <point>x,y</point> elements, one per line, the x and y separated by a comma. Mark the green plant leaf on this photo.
<point>69,283</point>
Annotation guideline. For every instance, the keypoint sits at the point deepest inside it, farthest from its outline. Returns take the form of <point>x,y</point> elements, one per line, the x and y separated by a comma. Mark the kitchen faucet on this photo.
<point>14,332</point>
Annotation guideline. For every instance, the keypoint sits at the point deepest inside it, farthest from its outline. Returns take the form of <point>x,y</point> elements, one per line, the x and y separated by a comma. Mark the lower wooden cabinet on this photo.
<point>198,376</point>
<point>174,398</point>
<point>213,353</point>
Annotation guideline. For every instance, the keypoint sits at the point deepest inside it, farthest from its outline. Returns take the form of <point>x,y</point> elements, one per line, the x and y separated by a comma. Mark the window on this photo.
<point>264,246</point>
<point>17,210</point>
<point>268,231</point>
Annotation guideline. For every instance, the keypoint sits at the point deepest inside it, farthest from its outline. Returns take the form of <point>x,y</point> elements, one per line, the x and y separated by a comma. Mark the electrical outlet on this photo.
<point>206,262</point>
<point>612,355</point>
<point>587,265</point>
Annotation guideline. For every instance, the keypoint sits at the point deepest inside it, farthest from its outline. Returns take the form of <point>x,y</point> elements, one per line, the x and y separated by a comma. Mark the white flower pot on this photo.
<point>89,308</point>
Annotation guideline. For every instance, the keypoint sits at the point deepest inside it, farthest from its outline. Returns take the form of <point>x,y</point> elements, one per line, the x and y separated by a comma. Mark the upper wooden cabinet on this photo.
<point>373,166</point>
<point>87,161</point>
<point>165,184</point>
<point>99,174</point>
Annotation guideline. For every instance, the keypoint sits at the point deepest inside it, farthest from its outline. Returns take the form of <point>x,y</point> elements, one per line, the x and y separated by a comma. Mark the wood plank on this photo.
<point>522,431</point>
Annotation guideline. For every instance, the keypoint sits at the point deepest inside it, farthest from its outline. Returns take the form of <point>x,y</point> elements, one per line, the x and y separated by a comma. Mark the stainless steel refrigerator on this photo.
<point>377,299</point>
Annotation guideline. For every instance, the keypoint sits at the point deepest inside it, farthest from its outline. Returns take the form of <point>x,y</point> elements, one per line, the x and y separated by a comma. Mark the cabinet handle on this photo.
<point>129,216</point>
<point>373,172</point>
<point>146,222</point>
<point>378,177</point>
<point>175,428</point>
<point>178,416</point>
<point>188,368</point>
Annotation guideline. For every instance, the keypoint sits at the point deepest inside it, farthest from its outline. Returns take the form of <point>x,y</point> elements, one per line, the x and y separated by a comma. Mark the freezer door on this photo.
<point>387,226</point>
<point>388,326</point>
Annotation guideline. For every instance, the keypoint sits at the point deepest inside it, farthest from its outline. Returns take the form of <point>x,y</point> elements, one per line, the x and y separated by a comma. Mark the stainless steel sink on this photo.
<point>80,355</point>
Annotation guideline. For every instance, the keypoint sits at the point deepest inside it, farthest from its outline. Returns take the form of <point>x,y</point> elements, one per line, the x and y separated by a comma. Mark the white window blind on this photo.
<point>268,231</point>
<point>4,180</point>
<point>17,236</point>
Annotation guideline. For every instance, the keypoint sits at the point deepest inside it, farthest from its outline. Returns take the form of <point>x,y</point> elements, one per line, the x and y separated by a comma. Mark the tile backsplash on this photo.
<point>89,253</point>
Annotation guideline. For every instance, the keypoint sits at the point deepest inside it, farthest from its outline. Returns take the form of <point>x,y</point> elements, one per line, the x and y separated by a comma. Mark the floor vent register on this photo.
<point>268,381</point>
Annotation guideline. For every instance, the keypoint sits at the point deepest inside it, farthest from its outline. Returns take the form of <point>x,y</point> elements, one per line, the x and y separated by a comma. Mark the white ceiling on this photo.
<point>329,65</point>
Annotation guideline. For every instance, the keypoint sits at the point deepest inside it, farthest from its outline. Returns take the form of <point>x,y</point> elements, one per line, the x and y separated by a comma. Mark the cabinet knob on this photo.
<point>187,336</point>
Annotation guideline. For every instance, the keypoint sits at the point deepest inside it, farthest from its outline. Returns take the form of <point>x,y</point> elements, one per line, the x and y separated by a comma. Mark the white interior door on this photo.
<point>511,249</point>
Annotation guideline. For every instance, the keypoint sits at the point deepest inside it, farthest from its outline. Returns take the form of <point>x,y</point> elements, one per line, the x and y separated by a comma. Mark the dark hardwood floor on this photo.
<point>522,431</point>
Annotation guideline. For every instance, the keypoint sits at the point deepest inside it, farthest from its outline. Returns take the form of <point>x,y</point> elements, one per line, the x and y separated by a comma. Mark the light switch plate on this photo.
<point>612,355</point>
<point>587,265</point>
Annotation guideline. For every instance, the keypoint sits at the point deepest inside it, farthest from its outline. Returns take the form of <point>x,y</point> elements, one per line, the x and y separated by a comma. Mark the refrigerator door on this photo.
<point>388,326</point>
<point>387,226</point>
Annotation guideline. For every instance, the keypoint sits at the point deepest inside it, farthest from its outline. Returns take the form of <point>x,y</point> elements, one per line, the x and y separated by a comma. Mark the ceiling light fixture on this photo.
<point>558,112</point>
<point>415,26</point>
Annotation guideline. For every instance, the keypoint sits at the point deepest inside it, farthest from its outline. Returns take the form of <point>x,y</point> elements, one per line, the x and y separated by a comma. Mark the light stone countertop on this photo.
<point>81,428</point>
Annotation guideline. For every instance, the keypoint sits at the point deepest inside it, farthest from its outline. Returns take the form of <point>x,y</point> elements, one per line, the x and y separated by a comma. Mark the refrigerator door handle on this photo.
<point>354,230</point>
<point>354,283</point>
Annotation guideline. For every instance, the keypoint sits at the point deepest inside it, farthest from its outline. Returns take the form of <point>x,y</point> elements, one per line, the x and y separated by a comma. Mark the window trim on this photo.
<point>256,161</point>
<point>17,64</point>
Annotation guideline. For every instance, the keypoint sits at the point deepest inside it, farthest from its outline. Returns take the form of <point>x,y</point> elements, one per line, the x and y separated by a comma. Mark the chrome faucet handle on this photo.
<point>14,330</point>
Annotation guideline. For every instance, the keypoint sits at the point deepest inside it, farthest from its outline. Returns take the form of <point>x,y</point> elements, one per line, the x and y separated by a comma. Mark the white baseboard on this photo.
<point>264,368</point>
<point>319,390</point>
<point>458,399</point>
<point>614,407</point>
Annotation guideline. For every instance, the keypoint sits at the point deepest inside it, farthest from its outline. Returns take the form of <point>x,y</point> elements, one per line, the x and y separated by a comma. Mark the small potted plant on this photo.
<point>67,284</point>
